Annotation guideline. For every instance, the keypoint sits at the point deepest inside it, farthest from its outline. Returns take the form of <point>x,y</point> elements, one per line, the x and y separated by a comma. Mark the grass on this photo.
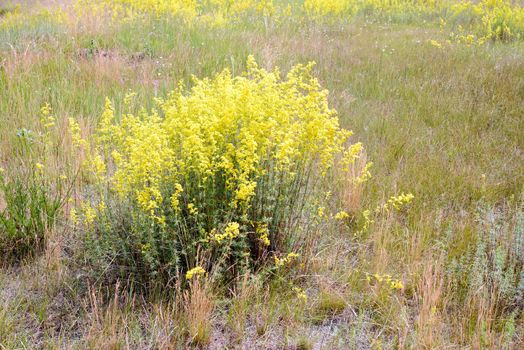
<point>444,123</point>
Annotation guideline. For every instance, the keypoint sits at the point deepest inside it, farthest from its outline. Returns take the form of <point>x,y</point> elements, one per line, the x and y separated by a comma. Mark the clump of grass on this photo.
<point>329,304</point>
<point>198,307</point>
<point>304,343</point>
<point>30,212</point>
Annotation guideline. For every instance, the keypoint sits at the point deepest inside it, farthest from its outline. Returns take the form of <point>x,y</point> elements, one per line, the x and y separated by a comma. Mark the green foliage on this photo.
<point>29,213</point>
<point>493,266</point>
<point>31,195</point>
<point>329,304</point>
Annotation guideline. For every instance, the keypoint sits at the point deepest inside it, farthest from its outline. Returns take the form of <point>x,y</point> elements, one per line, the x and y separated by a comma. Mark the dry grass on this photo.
<point>429,323</point>
<point>198,307</point>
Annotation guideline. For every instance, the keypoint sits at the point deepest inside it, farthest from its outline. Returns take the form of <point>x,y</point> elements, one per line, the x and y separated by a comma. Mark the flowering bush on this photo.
<point>220,176</point>
<point>489,19</point>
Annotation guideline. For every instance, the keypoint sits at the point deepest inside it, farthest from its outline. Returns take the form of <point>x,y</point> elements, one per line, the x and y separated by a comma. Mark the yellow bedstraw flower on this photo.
<point>435,43</point>
<point>89,213</point>
<point>365,174</point>
<point>39,168</point>
<point>246,191</point>
<point>76,134</point>
<point>196,271</point>
<point>396,284</point>
<point>399,201</point>
<point>300,294</point>
<point>47,120</point>
<point>341,215</point>
<point>192,209</point>
<point>265,239</point>
<point>286,260</point>
<point>393,283</point>
<point>102,206</point>
<point>263,234</point>
<point>231,232</point>
<point>73,216</point>
<point>175,201</point>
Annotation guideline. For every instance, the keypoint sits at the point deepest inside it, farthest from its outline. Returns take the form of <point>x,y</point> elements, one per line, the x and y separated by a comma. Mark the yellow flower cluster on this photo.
<point>288,259</point>
<point>89,213</point>
<point>341,215</point>
<point>393,283</point>
<point>492,20</point>
<point>398,202</point>
<point>228,127</point>
<point>231,232</point>
<point>263,235</point>
<point>196,271</point>
<point>46,119</point>
<point>19,17</point>
<point>301,295</point>
<point>326,8</point>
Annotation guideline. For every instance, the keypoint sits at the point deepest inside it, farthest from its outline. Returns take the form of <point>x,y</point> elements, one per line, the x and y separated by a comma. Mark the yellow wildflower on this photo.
<point>435,43</point>
<point>263,234</point>
<point>196,271</point>
<point>73,216</point>
<point>300,294</point>
<point>246,191</point>
<point>89,213</point>
<point>399,201</point>
<point>285,260</point>
<point>39,167</point>
<point>192,209</point>
<point>397,284</point>
<point>175,202</point>
<point>341,215</point>
<point>231,231</point>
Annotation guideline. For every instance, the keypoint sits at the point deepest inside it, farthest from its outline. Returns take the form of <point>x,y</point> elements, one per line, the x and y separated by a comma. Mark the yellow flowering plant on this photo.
<point>227,167</point>
<point>471,21</point>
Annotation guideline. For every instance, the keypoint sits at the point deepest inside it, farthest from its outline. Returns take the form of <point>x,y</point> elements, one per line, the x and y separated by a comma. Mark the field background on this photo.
<point>439,118</point>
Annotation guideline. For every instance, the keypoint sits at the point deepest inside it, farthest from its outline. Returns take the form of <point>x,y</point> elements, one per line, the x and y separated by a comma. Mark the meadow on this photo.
<point>262,174</point>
